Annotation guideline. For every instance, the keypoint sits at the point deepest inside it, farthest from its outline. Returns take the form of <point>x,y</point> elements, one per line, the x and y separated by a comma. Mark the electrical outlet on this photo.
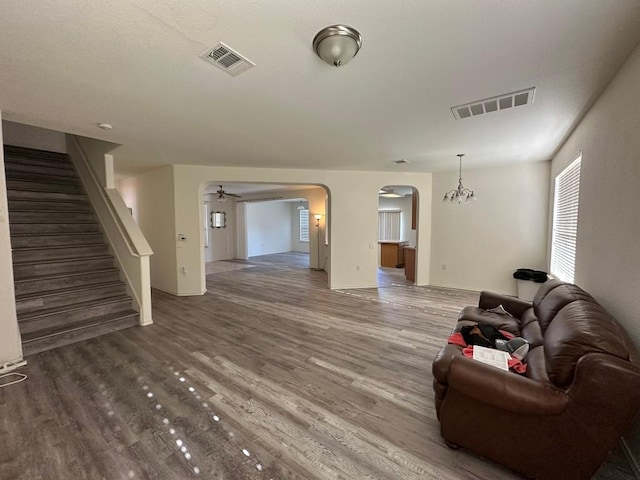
<point>444,266</point>
<point>357,268</point>
<point>184,270</point>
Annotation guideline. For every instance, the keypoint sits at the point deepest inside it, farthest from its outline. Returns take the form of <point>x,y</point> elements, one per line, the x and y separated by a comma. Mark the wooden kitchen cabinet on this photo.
<point>410,263</point>
<point>392,254</point>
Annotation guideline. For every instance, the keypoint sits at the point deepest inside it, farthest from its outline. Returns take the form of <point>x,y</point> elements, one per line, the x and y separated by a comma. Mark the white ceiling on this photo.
<point>135,64</point>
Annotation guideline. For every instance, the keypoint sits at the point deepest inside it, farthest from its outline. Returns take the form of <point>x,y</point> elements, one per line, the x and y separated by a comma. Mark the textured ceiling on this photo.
<point>135,64</point>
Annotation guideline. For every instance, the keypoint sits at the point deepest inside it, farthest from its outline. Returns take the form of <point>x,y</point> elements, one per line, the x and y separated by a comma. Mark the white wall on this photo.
<point>404,204</point>
<point>353,219</point>
<point>268,228</point>
<point>151,197</point>
<point>296,244</point>
<point>222,241</point>
<point>96,153</point>
<point>10,344</point>
<point>607,256</point>
<point>481,244</point>
<point>20,135</point>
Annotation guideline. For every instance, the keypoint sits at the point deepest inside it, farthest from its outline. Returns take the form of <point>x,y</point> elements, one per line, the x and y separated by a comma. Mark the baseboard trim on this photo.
<point>11,366</point>
<point>633,462</point>
<point>181,294</point>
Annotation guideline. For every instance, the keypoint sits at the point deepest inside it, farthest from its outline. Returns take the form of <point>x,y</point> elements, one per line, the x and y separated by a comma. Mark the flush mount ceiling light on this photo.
<point>460,194</point>
<point>337,44</point>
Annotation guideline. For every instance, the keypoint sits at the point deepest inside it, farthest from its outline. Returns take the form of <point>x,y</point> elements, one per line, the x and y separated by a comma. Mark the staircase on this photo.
<point>67,287</point>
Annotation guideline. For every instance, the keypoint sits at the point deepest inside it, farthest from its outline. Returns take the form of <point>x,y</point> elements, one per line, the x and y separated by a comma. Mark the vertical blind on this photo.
<point>389,225</point>
<point>565,222</point>
<point>304,225</point>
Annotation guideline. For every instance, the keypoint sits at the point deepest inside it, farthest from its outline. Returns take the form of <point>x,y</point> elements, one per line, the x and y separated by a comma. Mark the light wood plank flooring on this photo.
<point>269,375</point>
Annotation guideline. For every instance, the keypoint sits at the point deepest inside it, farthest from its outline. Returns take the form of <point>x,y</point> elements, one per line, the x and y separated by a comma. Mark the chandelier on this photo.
<point>460,194</point>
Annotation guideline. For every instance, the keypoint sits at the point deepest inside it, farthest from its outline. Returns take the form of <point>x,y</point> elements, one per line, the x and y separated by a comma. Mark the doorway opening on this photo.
<point>397,235</point>
<point>245,225</point>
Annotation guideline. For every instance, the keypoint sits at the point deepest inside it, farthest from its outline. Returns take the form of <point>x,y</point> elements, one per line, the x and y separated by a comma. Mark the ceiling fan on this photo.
<point>222,195</point>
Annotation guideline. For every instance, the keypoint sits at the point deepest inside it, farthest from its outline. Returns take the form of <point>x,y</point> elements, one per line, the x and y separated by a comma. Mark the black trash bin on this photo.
<point>528,282</point>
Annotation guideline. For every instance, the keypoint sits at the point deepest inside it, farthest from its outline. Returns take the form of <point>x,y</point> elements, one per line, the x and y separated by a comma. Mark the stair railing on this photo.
<point>129,246</point>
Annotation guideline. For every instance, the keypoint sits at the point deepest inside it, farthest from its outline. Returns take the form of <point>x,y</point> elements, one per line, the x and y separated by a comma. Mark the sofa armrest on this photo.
<point>514,306</point>
<point>505,390</point>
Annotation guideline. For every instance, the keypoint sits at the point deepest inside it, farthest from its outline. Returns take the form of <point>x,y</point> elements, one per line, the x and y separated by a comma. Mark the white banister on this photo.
<point>125,238</point>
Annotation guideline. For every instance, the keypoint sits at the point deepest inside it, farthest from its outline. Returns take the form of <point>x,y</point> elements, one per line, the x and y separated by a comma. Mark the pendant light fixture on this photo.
<point>460,194</point>
<point>337,44</point>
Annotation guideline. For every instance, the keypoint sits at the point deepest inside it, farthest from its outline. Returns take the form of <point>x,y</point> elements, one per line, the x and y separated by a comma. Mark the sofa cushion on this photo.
<point>579,328</point>
<point>552,296</point>
<point>537,364</point>
<point>532,333</point>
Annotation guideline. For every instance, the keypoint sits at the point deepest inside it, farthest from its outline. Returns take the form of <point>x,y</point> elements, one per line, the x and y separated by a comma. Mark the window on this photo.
<point>304,225</point>
<point>565,221</point>
<point>389,225</point>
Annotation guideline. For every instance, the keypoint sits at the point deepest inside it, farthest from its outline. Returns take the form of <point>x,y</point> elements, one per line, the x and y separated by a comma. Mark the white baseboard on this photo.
<point>10,366</point>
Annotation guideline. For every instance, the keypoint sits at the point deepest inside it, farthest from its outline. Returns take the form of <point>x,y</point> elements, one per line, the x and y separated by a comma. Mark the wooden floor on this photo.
<point>269,375</point>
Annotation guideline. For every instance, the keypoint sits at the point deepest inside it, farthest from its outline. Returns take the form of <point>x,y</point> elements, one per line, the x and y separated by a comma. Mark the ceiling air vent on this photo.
<point>493,104</point>
<point>227,59</point>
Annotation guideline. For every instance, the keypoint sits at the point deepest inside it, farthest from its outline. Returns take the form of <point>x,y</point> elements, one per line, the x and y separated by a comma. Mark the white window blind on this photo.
<point>565,222</point>
<point>389,225</point>
<point>304,225</point>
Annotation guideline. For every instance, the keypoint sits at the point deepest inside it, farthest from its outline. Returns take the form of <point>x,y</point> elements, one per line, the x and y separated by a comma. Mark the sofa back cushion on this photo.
<point>553,296</point>
<point>579,328</point>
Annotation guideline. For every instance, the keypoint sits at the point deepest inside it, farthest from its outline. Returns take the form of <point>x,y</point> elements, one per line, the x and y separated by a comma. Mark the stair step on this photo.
<point>48,205</point>
<point>23,271</point>
<point>57,317</point>
<point>24,152</point>
<point>42,177</point>
<point>51,217</point>
<point>56,239</point>
<point>39,341</point>
<point>67,297</point>
<point>43,187</point>
<point>46,196</point>
<point>39,162</point>
<point>28,255</point>
<point>17,166</point>
<point>52,283</point>
<point>39,228</point>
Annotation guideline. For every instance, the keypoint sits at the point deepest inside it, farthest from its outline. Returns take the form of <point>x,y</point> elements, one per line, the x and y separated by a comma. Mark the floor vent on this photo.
<point>493,104</point>
<point>227,59</point>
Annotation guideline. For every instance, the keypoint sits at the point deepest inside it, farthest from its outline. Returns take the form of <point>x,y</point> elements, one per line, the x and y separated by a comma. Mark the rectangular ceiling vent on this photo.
<point>493,104</point>
<point>227,59</point>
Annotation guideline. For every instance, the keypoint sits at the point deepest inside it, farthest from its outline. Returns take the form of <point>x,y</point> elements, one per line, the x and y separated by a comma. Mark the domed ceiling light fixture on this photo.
<point>337,44</point>
<point>460,194</point>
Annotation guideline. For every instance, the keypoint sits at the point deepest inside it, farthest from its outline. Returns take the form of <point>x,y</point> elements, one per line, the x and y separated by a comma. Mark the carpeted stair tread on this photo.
<point>26,316</point>
<point>59,252</point>
<point>26,185</point>
<point>66,260</point>
<point>40,196</point>
<point>13,151</point>
<point>66,275</point>
<point>78,290</point>
<point>84,324</point>
<point>38,162</point>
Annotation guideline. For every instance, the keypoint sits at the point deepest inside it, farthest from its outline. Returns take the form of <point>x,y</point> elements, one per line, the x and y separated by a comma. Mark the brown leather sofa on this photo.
<point>561,418</point>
